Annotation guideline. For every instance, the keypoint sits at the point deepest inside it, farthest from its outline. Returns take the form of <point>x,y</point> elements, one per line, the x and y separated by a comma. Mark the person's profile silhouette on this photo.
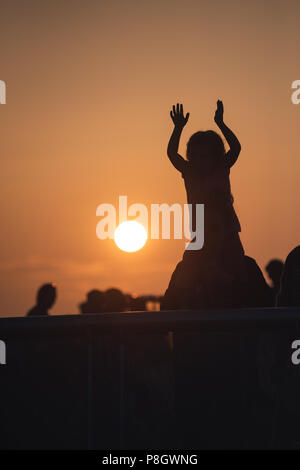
<point>289,295</point>
<point>274,271</point>
<point>46,297</point>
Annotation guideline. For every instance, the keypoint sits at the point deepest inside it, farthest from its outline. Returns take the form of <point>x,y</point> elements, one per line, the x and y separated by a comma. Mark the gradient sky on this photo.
<point>89,89</point>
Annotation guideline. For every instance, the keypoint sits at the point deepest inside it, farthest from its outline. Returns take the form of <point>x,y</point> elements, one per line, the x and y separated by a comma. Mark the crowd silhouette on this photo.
<point>219,275</point>
<point>97,301</point>
<point>283,291</point>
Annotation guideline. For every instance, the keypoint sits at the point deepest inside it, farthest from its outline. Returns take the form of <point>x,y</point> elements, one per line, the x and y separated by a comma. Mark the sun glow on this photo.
<point>130,236</point>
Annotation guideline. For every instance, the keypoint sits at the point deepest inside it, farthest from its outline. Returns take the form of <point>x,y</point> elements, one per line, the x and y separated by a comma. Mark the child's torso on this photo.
<point>214,192</point>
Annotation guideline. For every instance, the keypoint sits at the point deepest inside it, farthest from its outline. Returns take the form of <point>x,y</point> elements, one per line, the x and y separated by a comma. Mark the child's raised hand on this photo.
<point>219,113</point>
<point>177,116</point>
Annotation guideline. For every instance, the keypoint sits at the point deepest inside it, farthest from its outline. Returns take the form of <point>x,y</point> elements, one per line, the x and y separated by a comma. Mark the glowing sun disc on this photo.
<point>130,236</point>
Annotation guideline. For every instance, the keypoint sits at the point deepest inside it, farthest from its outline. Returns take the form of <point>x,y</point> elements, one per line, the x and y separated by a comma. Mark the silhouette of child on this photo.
<point>206,177</point>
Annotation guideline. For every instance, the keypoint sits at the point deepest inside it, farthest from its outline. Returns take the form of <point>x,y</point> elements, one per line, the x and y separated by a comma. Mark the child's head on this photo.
<point>205,148</point>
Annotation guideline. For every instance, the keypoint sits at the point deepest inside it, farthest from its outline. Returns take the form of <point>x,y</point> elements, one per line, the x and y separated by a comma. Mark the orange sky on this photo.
<point>89,88</point>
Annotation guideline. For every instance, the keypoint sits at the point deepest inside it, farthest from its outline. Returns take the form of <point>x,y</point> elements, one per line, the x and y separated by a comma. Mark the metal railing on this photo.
<point>170,379</point>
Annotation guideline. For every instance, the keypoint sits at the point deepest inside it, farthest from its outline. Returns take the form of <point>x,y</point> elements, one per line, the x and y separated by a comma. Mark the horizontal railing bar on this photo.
<point>156,319</point>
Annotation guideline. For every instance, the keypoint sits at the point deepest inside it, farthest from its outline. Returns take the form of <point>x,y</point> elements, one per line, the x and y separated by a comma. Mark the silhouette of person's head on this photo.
<point>289,294</point>
<point>45,299</point>
<point>274,270</point>
<point>115,300</point>
<point>46,296</point>
<point>205,149</point>
<point>95,302</point>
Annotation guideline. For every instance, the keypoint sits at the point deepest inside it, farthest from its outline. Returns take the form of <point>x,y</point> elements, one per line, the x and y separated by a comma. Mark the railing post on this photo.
<point>90,394</point>
<point>122,391</point>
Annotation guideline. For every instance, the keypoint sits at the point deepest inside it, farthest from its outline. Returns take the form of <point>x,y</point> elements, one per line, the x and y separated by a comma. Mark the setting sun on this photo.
<point>130,236</point>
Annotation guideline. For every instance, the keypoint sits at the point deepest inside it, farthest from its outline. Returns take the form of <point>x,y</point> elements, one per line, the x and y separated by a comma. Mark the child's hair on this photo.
<point>208,142</point>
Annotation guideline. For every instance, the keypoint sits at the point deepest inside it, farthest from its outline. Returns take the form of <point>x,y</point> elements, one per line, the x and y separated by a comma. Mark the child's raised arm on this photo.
<point>232,140</point>
<point>179,122</point>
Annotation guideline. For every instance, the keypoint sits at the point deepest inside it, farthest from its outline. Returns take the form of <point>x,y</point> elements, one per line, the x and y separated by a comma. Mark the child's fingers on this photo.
<point>187,116</point>
<point>171,114</point>
<point>220,105</point>
<point>177,110</point>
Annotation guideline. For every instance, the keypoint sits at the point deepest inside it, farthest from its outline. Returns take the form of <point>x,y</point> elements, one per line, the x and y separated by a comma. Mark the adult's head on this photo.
<point>115,300</point>
<point>289,294</point>
<point>46,296</point>
<point>274,270</point>
<point>95,302</point>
